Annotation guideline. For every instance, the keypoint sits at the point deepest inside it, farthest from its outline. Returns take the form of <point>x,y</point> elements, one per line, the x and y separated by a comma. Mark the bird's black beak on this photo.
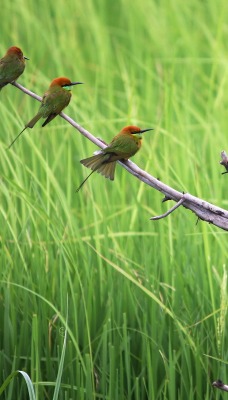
<point>142,130</point>
<point>75,83</point>
<point>26,58</point>
<point>145,130</point>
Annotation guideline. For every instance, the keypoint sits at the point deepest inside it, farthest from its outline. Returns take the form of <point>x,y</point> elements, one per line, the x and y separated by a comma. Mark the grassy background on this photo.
<point>147,300</point>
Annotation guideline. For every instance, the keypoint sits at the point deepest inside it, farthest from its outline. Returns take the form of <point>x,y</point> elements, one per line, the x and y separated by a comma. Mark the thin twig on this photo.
<point>220,385</point>
<point>178,204</point>
<point>205,211</point>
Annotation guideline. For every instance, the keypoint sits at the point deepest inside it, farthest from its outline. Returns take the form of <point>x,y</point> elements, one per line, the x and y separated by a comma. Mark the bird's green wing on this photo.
<point>48,104</point>
<point>122,145</point>
<point>55,101</point>
<point>3,69</point>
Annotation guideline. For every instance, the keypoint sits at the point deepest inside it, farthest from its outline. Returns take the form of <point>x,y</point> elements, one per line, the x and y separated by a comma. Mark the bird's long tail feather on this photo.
<point>107,170</point>
<point>99,163</point>
<point>34,120</point>
<point>80,186</point>
<point>49,119</point>
<point>93,162</point>
<point>30,124</point>
<point>11,144</point>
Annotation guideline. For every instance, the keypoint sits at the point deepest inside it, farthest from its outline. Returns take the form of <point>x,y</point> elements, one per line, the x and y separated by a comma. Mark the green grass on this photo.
<point>147,312</point>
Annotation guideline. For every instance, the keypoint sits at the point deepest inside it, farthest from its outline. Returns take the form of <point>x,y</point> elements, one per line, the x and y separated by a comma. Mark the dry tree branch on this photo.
<point>169,211</point>
<point>220,385</point>
<point>204,210</point>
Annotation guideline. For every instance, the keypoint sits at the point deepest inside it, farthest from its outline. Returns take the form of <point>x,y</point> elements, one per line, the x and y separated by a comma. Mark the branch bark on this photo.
<point>220,385</point>
<point>203,210</point>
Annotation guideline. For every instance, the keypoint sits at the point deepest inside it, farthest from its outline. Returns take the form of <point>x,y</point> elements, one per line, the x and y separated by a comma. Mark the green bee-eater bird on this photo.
<point>123,146</point>
<point>12,66</point>
<point>56,98</point>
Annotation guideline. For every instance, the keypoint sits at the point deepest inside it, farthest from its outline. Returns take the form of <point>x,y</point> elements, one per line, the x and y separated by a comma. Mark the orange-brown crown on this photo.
<point>134,130</point>
<point>15,50</point>
<point>62,81</point>
<point>131,129</point>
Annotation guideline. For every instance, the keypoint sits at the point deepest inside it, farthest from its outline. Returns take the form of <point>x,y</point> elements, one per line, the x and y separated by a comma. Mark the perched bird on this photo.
<point>123,146</point>
<point>56,98</point>
<point>12,66</point>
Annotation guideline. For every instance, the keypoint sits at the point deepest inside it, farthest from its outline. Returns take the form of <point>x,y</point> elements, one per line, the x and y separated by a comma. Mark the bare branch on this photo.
<point>204,210</point>
<point>83,131</point>
<point>169,211</point>
<point>220,385</point>
<point>23,89</point>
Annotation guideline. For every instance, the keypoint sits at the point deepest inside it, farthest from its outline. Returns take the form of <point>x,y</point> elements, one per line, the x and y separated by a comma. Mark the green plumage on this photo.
<point>56,98</point>
<point>53,102</point>
<point>12,65</point>
<point>123,146</point>
<point>101,163</point>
